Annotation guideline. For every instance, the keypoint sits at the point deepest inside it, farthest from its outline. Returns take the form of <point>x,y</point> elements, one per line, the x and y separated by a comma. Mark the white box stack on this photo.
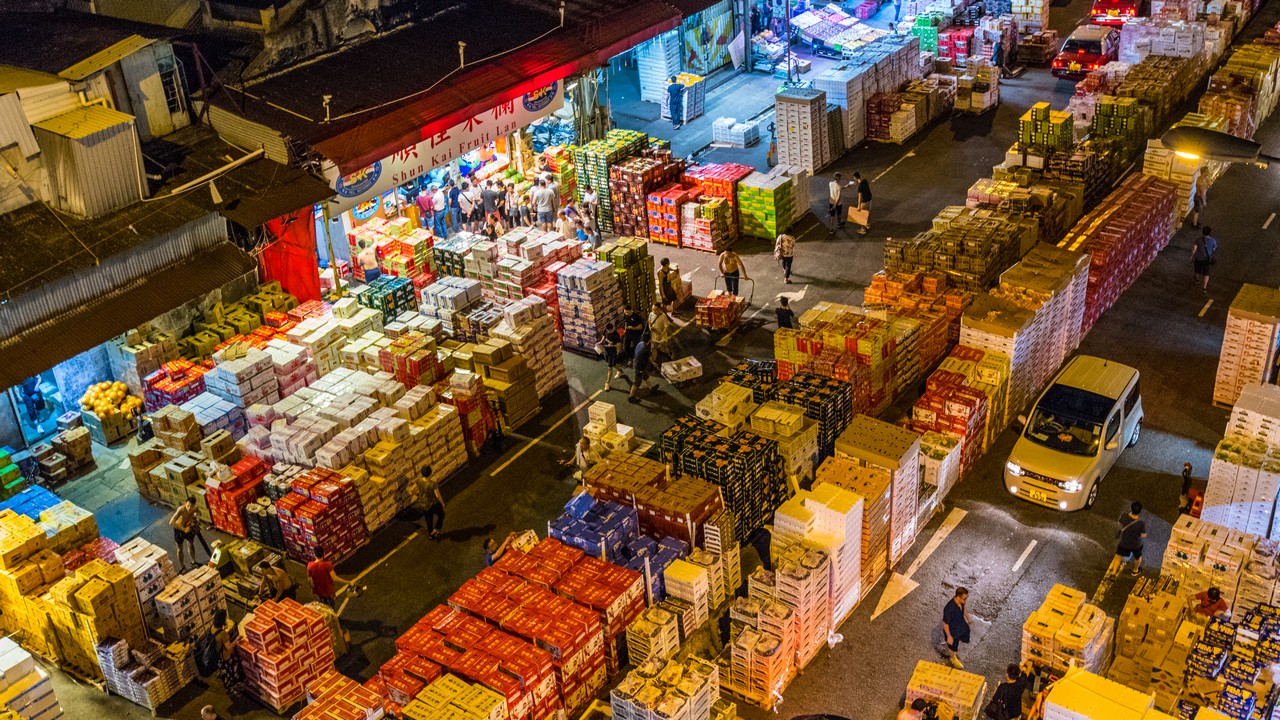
<point>151,569</point>
<point>532,333</point>
<point>1244,477</point>
<point>795,434</point>
<point>801,117</point>
<point>843,86</point>
<point>445,298</point>
<point>876,443</point>
<point>322,337</point>
<point>828,518</point>
<point>717,589</point>
<point>659,688</point>
<point>1052,283</point>
<point>590,298</point>
<point>657,60</point>
<point>655,633</point>
<point>147,675</point>
<point>940,461</point>
<point>993,323</point>
<point>729,404</point>
<point>962,692</point>
<point>802,577</point>
<point>244,380</point>
<point>292,364</point>
<point>186,606</point>
<point>689,582</point>
<point>1249,345</point>
<point>25,688</point>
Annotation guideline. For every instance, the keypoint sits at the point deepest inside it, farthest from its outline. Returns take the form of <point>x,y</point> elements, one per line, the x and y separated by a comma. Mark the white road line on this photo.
<point>1205,309</point>
<point>1267,224</point>
<point>944,531</point>
<point>1025,554</point>
<point>886,170</point>
<point>548,431</point>
<point>725,355</point>
<point>384,558</point>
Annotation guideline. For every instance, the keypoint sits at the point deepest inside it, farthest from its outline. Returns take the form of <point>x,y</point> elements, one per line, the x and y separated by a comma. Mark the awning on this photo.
<point>294,189</point>
<point>38,350</point>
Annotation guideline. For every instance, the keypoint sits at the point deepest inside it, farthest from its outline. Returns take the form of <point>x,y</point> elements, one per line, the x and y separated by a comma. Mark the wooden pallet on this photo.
<point>766,703</point>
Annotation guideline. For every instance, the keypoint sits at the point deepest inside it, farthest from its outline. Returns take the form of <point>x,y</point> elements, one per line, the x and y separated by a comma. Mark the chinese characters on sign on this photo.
<point>445,146</point>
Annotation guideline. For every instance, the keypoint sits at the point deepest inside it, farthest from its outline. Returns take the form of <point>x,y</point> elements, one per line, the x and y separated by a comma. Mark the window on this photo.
<point>1113,426</point>
<point>1132,401</point>
<point>171,79</point>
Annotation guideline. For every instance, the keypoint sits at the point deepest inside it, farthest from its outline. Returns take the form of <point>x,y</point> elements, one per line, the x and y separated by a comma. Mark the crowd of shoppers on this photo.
<point>491,207</point>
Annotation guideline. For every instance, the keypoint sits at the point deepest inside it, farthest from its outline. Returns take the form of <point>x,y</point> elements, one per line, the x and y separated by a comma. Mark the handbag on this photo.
<point>995,710</point>
<point>858,216</point>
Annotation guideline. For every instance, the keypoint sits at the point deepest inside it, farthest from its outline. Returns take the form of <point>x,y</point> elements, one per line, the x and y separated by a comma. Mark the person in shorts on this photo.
<point>1133,531</point>
<point>611,343</point>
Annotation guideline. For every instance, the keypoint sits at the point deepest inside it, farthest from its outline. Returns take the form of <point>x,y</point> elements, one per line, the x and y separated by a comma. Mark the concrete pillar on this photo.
<point>10,430</point>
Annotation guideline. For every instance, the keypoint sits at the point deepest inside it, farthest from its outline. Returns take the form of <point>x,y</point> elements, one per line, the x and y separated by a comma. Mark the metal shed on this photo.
<point>93,159</point>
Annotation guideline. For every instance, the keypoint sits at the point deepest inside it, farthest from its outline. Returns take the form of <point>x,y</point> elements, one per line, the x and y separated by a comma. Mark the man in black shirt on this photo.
<point>633,323</point>
<point>1133,530</point>
<point>489,202</point>
<point>864,200</point>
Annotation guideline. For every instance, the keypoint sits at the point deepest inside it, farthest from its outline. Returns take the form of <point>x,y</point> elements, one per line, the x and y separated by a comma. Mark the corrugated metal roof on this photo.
<point>38,350</point>
<point>84,121</point>
<point>105,58</point>
<point>15,78</point>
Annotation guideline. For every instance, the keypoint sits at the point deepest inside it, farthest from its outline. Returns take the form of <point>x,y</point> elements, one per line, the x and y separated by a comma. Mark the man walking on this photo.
<point>675,102</point>
<point>784,251</point>
<point>323,578</point>
<point>955,626</point>
<point>1202,256</point>
<point>864,201</point>
<point>633,327</point>
<point>641,364</point>
<point>431,502</point>
<point>1133,530</point>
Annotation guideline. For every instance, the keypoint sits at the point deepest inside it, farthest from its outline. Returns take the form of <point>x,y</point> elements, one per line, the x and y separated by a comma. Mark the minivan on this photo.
<point>1076,430</point>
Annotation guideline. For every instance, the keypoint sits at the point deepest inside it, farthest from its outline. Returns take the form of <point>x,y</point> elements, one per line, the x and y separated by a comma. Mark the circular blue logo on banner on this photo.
<point>359,182</point>
<point>540,98</point>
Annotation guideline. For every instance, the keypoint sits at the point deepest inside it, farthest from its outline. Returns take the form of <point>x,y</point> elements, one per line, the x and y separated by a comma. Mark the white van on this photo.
<point>1076,430</point>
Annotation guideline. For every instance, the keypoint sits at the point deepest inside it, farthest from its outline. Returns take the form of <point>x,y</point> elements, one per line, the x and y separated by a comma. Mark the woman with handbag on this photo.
<point>1006,704</point>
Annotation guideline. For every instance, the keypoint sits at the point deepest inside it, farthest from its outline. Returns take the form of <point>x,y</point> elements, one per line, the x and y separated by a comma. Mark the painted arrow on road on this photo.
<point>794,296</point>
<point>900,585</point>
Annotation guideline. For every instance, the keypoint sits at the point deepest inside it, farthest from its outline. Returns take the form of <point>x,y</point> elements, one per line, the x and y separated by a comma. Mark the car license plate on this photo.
<point>1038,496</point>
<point>1074,66</point>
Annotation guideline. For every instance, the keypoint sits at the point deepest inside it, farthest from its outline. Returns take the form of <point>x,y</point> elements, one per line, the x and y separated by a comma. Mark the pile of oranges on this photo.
<point>106,399</point>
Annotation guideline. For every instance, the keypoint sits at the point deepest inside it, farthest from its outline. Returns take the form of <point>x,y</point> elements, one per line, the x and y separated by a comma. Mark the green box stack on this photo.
<point>592,161</point>
<point>1119,118</point>
<point>449,256</point>
<point>633,267</point>
<point>1045,129</point>
<point>765,205</point>
<point>926,28</point>
<point>389,295</point>
<point>11,479</point>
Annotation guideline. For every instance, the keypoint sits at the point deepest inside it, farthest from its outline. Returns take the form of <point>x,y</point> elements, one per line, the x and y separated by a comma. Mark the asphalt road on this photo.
<point>1009,553</point>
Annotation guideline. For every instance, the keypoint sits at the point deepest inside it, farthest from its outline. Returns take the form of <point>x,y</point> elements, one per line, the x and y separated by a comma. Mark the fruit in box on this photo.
<point>106,399</point>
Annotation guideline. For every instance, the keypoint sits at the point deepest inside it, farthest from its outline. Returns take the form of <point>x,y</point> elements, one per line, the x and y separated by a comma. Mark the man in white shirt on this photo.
<point>544,204</point>
<point>835,204</point>
<point>439,206</point>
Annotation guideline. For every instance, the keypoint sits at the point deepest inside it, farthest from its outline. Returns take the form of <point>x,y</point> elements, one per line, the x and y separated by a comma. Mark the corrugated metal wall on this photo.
<point>94,175</point>
<point>248,135</point>
<point>14,127</point>
<point>43,102</point>
<point>46,303</point>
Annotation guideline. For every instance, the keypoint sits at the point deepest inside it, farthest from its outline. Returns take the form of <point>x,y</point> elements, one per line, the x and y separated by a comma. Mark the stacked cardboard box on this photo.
<point>213,413</point>
<point>27,693</point>
<point>285,647</point>
<point>323,509</point>
<point>336,695</point>
<point>471,649</point>
<point>595,159</point>
<point>139,353</point>
<point>719,181</point>
<point>149,674</point>
<point>972,246</point>
<point>878,444</point>
<point>467,393</point>
<point>801,581</point>
<point>152,571</point>
<point>83,609</point>
<point>766,206</point>
<point>186,606</point>
<point>450,697</point>
<point>532,333</point>
<point>961,692</point>
<point>1250,344</point>
<point>802,128</point>
<point>589,300</point>
<point>825,400</point>
<point>759,660</point>
<point>940,454</point>
<point>663,206</point>
<point>633,267</point>
<point>1066,631</point>
<point>705,225</point>
<point>630,183</point>
<point>1081,694</point>
<point>654,634</point>
<point>231,490</point>
<point>874,485</point>
<point>674,508</point>
<point>743,465</point>
<point>795,434</point>
<point>660,687</point>
<point>387,295</point>
<point>510,380</point>
<point>1122,237</point>
<point>958,400</point>
<point>243,376</point>
<point>828,518</point>
<point>689,582</point>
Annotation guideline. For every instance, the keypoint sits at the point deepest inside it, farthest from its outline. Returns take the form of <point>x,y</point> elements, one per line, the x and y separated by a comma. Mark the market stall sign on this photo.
<point>444,147</point>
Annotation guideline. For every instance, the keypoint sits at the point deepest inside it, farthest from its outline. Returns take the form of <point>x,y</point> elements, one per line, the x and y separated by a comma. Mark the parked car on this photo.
<point>1075,433</point>
<point>1088,48</point>
<point>1116,12</point>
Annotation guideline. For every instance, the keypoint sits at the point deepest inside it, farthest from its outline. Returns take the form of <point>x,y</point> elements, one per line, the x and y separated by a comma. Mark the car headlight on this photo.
<point>1014,469</point>
<point>1072,486</point>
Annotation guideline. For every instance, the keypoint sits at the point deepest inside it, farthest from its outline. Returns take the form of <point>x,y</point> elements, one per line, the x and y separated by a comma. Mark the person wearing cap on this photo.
<point>1209,604</point>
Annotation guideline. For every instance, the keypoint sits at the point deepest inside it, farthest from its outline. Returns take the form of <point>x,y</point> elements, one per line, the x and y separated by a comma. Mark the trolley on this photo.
<point>722,310</point>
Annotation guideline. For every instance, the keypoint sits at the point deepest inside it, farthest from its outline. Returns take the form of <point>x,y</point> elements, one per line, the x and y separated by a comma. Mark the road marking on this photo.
<point>384,558</point>
<point>1267,224</point>
<point>547,432</point>
<point>1205,309</point>
<point>726,356</point>
<point>1025,554</point>
<point>886,170</point>
<point>794,296</point>
<point>900,585</point>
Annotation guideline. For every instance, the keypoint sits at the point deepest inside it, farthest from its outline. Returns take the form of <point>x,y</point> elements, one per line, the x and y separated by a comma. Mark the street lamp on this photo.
<point>1196,143</point>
